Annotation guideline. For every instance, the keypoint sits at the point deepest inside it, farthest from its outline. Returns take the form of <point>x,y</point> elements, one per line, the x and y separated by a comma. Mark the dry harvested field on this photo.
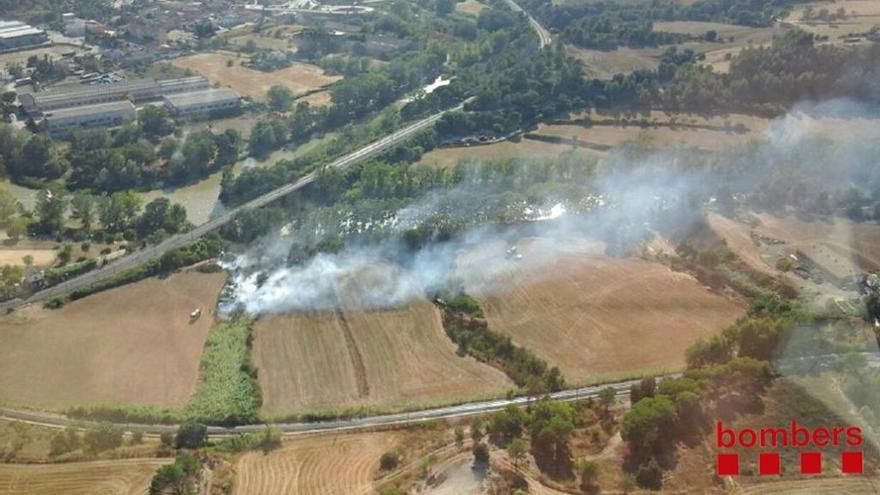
<point>859,485</point>
<point>450,157</point>
<point>122,477</point>
<point>606,63</point>
<point>353,358</point>
<point>592,315</point>
<point>861,16</point>
<point>472,7</point>
<point>300,78</point>
<point>263,42</point>
<point>41,257</point>
<point>663,135</point>
<point>320,465</point>
<point>131,345</point>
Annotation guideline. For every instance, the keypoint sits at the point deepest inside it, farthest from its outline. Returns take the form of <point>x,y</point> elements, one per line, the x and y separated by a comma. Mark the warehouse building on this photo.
<point>16,34</point>
<point>136,91</point>
<point>63,121</point>
<point>202,102</point>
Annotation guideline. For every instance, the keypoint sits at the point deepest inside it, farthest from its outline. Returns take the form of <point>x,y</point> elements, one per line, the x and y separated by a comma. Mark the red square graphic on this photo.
<point>852,462</point>
<point>768,462</point>
<point>727,464</point>
<point>811,462</point>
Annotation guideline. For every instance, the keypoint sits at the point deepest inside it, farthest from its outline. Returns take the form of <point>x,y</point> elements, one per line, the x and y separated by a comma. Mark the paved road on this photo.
<point>185,238</point>
<point>543,34</point>
<point>469,409</point>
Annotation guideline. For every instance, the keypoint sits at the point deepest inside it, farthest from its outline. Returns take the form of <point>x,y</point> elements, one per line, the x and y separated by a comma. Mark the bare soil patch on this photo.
<point>305,363</point>
<point>315,466</point>
<point>123,477</point>
<point>299,78</point>
<point>592,315</point>
<point>131,345</point>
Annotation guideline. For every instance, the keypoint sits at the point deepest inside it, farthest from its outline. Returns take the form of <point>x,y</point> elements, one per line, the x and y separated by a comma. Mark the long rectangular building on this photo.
<point>16,34</point>
<point>135,91</point>
<point>201,102</point>
<point>65,120</point>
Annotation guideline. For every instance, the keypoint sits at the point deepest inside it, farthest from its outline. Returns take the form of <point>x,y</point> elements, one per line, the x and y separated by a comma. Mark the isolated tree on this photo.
<point>389,461</point>
<point>191,435</point>
<point>17,228</point>
<point>444,7</point>
<point>481,454</point>
<point>8,207</point>
<point>517,451</point>
<point>179,478</point>
<point>606,398</point>
<point>459,436</point>
<point>589,471</point>
<point>82,207</point>
<point>477,430</point>
<point>103,437</point>
<point>280,98</point>
<point>167,438</point>
<point>50,210</point>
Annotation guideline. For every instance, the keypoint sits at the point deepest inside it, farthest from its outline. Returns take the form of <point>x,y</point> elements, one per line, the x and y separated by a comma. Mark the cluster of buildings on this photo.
<point>16,34</point>
<point>104,105</point>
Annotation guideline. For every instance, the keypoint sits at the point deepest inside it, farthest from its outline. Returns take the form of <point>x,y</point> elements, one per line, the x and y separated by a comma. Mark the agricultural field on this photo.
<point>299,78</point>
<point>449,157</point>
<point>606,63</point>
<point>315,465</point>
<point>389,357</point>
<point>711,134</point>
<point>15,256</point>
<point>861,16</point>
<point>592,315</point>
<point>472,7</point>
<point>263,42</point>
<point>131,345</point>
<point>121,477</point>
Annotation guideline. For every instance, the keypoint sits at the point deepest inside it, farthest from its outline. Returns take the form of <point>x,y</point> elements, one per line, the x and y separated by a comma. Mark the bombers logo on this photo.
<point>848,438</point>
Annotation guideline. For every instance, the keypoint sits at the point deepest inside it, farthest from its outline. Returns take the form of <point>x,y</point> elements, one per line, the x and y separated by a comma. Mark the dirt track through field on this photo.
<point>357,361</point>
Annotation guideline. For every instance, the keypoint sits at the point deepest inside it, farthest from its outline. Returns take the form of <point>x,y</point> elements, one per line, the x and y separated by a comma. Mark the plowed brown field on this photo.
<point>322,465</point>
<point>131,345</point>
<point>305,363</point>
<point>123,477</point>
<point>592,315</point>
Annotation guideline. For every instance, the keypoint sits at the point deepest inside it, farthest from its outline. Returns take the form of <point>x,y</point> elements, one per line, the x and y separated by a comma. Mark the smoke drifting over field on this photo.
<point>630,198</point>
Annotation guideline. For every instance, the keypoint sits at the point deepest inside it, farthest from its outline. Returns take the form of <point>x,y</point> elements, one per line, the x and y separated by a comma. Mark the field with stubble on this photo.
<point>592,315</point>
<point>321,465</point>
<point>299,78</point>
<point>348,358</point>
<point>121,477</point>
<point>131,345</point>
